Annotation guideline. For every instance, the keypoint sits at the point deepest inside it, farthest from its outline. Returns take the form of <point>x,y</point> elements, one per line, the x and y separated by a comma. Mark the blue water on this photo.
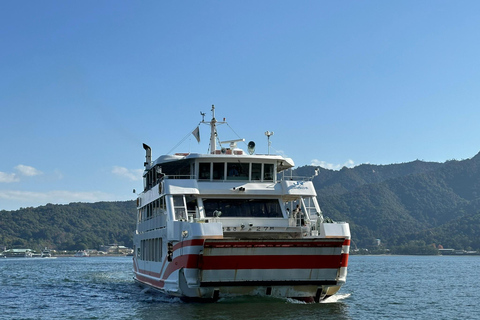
<point>378,287</point>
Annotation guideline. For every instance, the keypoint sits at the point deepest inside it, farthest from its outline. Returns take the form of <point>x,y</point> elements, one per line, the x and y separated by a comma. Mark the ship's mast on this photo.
<point>213,129</point>
<point>213,132</point>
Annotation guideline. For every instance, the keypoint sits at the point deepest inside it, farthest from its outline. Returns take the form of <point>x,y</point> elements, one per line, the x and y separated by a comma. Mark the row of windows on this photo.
<point>152,177</point>
<point>210,171</point>
<point>186,208</point>
<point>150,250</point>
<point>262,208</point>
<point>235,171</point>
<point>153,209</point>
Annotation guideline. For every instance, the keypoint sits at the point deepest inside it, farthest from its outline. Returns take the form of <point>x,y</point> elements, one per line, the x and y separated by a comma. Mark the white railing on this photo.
<point>152,224</point>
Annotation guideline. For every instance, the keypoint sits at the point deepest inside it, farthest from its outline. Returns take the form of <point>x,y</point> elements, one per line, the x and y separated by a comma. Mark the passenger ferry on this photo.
<point>231,223</point>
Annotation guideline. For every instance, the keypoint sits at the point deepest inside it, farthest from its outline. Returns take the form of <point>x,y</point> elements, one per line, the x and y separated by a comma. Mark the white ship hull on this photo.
<point>309,269</point>
<point>223,224</point>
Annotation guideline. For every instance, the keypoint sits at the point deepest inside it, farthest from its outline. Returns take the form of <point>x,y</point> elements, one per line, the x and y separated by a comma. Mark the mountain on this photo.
<point>398,203</point>
<point>75,226</point>
<point>409,204</point>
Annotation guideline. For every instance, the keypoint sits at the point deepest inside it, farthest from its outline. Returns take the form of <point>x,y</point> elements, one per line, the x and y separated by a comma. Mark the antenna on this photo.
<point>213,129</point>
<point>233,143</point>
<point>213,132</point>
<point>268,134</point>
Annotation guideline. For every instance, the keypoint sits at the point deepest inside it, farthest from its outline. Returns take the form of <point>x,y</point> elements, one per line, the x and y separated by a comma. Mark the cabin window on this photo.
<point>184,172</point>
<point>148,178</point>
<point>179,207</point>
<point>150,250</point>
<point>192,207</point>
<point>204,171</point>
<point>155,207</point>
<point>158,249</point>
<point>237,171</point>
<point>268,172</point>
<point>159,207</point>
<point>218,171</point>
<point>229,208</point>
<point>162,205</point>
<point>256,171</point>
<point>149,210</point>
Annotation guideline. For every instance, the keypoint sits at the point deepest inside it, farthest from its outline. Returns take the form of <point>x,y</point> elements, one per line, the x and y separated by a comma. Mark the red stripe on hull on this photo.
<point>154,283</point>
<point>250,262</point>
<point>194,261</point>
<point>187,243</point>
<point>185,261</point>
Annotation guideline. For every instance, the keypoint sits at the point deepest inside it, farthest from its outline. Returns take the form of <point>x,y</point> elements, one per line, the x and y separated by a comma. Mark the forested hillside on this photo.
<point>417,201</point>
<point>75,226</point>
<point>409,204</point>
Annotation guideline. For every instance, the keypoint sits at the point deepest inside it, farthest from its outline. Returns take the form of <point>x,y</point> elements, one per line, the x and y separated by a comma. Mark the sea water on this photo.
<point>378,287</point>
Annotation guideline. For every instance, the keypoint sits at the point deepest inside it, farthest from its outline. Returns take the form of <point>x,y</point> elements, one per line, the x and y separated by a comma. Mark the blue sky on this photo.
<point>83,84</point>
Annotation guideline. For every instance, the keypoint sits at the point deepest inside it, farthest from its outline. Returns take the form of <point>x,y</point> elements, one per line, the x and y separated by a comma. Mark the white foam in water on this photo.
<point>295,301</point>
<point>332,299</point>
<point>336,298</point>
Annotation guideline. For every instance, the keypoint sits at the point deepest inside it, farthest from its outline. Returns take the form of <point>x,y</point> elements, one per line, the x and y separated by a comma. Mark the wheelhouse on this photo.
<point>233,188</point>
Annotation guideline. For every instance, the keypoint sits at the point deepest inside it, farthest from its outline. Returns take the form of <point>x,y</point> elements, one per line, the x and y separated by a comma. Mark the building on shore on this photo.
<point>115,249</point>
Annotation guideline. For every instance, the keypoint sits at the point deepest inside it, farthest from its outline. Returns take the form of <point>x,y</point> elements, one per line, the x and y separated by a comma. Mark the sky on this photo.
<point>340,83</point>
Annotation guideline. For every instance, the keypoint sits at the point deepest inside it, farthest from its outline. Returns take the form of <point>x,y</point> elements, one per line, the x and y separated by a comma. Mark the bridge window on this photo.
<point>204,170</point>
<point>237,171</point>
<point>256,171</point>
<point>268,172</point>
<point>218,171</point>
<point>230,208</point>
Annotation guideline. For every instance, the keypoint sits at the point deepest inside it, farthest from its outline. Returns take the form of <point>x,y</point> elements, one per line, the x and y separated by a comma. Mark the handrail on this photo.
<point>295,178</point>
<point>179,176</point>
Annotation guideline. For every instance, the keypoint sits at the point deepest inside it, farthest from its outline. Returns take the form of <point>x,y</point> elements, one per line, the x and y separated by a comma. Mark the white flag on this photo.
<point>196,134</point>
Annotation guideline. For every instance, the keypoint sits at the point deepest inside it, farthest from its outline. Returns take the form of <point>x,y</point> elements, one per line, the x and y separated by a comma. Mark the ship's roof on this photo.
<point>282,162</point>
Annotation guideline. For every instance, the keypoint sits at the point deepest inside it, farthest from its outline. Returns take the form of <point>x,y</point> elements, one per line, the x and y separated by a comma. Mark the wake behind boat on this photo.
<point>225,224</point>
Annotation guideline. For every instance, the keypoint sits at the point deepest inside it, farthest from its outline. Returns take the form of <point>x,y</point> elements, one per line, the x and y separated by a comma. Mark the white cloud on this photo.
<point>8,177</point>
<point>27,170</point>
<point>23,170</point>
<point>349,164</point>
<point>133,175</point>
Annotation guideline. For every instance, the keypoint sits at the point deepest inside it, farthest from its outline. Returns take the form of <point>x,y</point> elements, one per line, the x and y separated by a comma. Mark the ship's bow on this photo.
<point>308,268</point>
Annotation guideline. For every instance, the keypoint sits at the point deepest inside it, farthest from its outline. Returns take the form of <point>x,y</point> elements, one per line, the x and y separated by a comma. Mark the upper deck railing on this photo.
<point>294,178</point>
<point>280,178</point>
